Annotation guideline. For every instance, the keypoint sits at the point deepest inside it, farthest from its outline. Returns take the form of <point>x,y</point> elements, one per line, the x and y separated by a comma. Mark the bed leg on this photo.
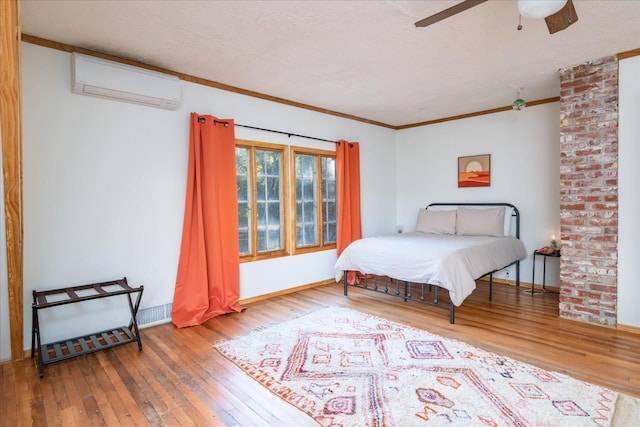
<point>490,286</point>
<point>346,283</point>
<point>452,313</point>
<point>406,285</point>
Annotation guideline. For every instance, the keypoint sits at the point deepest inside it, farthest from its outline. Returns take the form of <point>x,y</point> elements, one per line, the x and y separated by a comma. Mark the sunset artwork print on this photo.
<point>474,171</point>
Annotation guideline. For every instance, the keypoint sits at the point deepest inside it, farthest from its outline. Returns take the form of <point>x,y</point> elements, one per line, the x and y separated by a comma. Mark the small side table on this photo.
<point>544,271</point>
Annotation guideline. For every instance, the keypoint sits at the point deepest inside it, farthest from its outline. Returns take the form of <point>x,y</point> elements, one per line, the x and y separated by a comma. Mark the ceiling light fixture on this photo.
<point>538,9</point>
<point>519,103</point>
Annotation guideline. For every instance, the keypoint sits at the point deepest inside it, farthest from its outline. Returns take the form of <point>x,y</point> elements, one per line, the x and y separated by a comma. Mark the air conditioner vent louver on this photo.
<point>111,80</point>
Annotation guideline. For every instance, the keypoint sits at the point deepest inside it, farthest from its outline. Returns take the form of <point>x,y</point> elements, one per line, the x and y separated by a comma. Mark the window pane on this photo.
<point>308,188</point>
<point>268,200</point>
<point>299,237</point>
<point>260,187</point>
<point>272,163</point>
<point>329,189</point>
<point>273,239</point>
<point>273,188</point>
<point>244,241</point>
<point>329,204</point>
<point>309,232</point>
<point>306,200</point>
<point>308,212</point>
<point>269,162</point>
<point>262,225</point>
<point>298,189</point>
<point>330,233</point>
<point>262,239</point>
<point>273,214</point>
<point>329,168</point>
<point>260,174</point>
<point>308,165</point>
<point>329,211</point>
<point>242,179</point>
<point>330,223</point>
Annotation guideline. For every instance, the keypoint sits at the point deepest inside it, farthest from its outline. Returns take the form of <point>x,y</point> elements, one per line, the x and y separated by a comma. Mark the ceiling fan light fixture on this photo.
<point>539,9</point>
<point>519,103</point>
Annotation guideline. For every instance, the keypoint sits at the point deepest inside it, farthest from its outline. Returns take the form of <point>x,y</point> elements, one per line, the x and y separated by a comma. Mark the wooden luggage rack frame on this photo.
<point>74,347</point>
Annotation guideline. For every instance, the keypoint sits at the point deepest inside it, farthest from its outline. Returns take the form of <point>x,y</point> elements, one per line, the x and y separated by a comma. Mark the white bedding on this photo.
<point>450,261</point>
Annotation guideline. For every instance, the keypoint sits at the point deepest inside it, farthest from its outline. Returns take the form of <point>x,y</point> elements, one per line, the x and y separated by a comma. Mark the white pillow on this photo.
<point>508,214</point>
<point>480,222</point>
<point>439,222</point>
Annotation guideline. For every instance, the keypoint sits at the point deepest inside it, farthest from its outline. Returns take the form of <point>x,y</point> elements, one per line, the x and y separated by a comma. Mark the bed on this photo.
<point>454,244</point>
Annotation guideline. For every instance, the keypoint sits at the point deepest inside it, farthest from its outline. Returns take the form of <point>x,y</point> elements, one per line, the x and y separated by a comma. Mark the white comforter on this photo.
<point>450,261</point>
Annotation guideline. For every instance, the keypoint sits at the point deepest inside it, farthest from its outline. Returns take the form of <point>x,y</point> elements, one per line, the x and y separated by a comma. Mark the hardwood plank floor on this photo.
<point>180,380</point>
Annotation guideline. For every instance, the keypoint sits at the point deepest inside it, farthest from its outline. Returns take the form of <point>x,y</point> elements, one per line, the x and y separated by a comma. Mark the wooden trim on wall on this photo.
<point>287,291</point>
<point>477,113</point>
<point>628,54</point>
<point>11,123</point>
<point>628,328</point>
<point>188,78</point>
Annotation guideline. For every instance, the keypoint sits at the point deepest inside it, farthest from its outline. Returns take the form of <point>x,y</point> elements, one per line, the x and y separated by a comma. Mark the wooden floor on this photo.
<point>179,379</point>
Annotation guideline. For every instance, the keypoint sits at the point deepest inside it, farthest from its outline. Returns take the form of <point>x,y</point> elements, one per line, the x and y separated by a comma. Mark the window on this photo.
<point>314,199</point>
<point>261,170</point>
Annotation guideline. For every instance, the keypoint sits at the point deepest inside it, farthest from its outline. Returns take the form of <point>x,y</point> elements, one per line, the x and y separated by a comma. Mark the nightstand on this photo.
<point>544,256</point>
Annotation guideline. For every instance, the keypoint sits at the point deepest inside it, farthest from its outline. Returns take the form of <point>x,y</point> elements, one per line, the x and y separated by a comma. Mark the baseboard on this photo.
<point>523,284</point>
<point>158,314</point>
<point>285,291</point>
<point>628,328</point>
<point>504,281</point>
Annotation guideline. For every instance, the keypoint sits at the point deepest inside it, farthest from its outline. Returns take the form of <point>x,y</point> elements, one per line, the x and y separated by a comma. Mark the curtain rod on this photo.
<point>289,134</point>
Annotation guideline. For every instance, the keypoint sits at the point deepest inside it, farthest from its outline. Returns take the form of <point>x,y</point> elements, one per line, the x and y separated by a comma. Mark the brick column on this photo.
<point>589,191</point>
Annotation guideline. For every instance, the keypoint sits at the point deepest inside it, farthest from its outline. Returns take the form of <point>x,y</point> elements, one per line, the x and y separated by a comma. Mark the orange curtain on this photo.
<point>208,279</point>
<point>348,176</point>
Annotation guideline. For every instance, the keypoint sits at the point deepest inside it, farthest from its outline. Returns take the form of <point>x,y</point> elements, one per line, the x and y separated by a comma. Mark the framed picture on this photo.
<point>474,171</point>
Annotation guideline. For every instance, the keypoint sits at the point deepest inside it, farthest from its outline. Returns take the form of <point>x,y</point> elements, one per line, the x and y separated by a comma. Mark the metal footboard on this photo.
<point>423,293</point>
<point>426,293</point>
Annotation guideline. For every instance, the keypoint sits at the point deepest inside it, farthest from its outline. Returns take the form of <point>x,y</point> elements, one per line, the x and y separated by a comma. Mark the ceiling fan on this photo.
<point>558,14</point>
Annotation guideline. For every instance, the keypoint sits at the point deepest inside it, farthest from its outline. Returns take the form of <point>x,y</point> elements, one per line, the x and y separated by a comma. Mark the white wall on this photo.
<point>525,164</point>
<point>628,185</point>
<point>104,186</point>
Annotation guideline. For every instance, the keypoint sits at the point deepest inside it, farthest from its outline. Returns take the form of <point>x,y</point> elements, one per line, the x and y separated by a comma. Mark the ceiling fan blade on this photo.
<point>562,19</point>
<point>453,10</point>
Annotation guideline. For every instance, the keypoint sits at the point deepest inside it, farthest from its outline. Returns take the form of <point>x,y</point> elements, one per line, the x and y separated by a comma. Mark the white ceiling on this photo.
<point>361,58</point>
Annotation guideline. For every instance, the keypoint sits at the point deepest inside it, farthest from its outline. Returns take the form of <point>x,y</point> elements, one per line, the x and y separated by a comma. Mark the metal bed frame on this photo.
<point>427,293</point>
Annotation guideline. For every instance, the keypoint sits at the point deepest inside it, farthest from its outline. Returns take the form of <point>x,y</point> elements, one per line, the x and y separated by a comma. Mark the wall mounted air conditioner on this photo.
<point>106,79</point>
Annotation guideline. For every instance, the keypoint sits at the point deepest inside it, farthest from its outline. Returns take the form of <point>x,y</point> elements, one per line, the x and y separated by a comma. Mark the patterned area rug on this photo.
<point>346,368</point>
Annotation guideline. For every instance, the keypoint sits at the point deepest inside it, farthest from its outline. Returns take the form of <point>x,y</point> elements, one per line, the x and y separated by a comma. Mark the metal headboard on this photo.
<point>516,212</point>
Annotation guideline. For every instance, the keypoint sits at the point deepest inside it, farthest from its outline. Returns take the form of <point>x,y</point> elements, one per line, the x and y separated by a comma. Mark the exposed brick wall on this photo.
<point>589,191</point>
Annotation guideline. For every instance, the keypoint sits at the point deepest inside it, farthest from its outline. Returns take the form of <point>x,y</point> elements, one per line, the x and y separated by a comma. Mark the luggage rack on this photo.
<point>78,346</point>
